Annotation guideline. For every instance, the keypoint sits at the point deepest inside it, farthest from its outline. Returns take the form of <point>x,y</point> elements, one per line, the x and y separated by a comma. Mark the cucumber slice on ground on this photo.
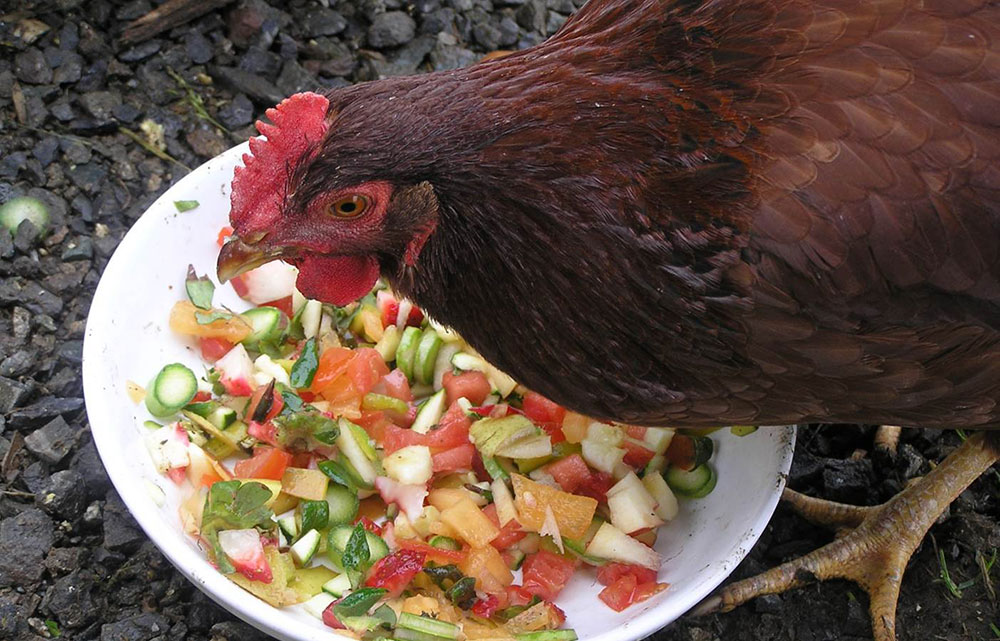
<point>268,325</point>
<point>338,586</point>
<point>343,504</point>
<point>426,356</point>
<point>170,390</point>
<point>406,352</point>
<point>304,549</point>
<point>693,484</point>
<point>430,412</point>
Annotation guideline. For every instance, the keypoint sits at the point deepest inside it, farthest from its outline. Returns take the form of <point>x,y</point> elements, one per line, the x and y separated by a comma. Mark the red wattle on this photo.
<point>337,279</point>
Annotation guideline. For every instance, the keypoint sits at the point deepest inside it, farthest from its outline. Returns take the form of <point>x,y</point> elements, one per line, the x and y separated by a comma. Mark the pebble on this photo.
<point>237,113</point>
<point>25,539</point>
<point>235,631</point>
<point>70,599</point>
<point>31,67</point>
<point>100,104</point>
<point>70,71</point>
<point>141,627</point>
<point>199,49</point>
<point>121,533</point>
<point>141,51</point>
<point>64,560</point>
<point>323,21</point>
<point>11,394</point>
<point>81,248</point>
<point>52,442</point>
<point>295,78</point>
<point>254,86</point>
<point>532,15</point>
<point>25,237</point>
<point>847,481</point>
<point>391,29</point>
<point>63,495</point>
<point>46,407</point>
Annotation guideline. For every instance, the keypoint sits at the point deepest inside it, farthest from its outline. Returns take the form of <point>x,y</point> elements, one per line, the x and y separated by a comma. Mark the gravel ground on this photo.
<point>98,129</point>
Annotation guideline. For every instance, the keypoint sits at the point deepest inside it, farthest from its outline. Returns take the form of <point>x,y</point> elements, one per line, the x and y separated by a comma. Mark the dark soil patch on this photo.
<point>73,101</point>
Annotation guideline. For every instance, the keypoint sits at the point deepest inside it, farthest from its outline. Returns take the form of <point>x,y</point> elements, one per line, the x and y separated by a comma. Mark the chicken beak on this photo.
<point>238,257</point>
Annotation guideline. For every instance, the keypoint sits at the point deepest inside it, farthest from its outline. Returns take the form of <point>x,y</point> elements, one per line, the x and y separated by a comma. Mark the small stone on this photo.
<point>206,141</point>
<point>64,560</point>
<point>76,153</point>
<point>47,407</point>
<point>391,29</point>
<point>910,462</point>
<point>260,62</point>
<point>62,111</point>
<point>508,32</point>
<point>121,533</point>
<point>141,627</point>
<point>81,248</point>
<point>6,245</point>
<point>70,71</point>
<point>487,35</point>
<point>63,495</point>
<point>769,604</point>
<point>448,57</point>
<point>11,394</point>
<point>254,86</point>
<point>93,515</point>
<point>554,23</point>
<point>45,151</point>
<point>237,113</point>
<point>322,21</point>
<point>294,79</point>
<point>69,36</point>
<point>71,351</point>
<point>100,104</point>
<point>25,539</point>
<point>28,30</point>
<point>126,113</point>
<point>848,481</point>
<point>88,177</point>
<point>532,15</point>
<point>141,51</point>
<point>19,363</point>
<point>199,49</point>
<point>35,476</point>
<point>133,10</point>
<point>52,442</point>
<point>25,237</point>
<point>69,599</point>
<point>235,631</point>
<point>31,67</point>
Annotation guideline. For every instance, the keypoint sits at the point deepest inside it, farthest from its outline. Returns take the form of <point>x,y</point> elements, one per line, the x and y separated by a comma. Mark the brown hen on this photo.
<point>687,213</point>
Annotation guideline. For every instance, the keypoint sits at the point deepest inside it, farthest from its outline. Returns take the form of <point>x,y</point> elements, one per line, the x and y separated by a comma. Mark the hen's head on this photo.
<point>289,202</point>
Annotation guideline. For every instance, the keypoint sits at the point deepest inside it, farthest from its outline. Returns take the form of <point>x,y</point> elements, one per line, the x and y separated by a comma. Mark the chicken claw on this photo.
<point>874,543</point>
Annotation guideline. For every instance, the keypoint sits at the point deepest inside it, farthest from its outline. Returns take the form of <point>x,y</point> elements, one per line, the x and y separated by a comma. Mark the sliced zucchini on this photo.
<point>338,586</point>
<point>427,625</point>
<point>425,357</point>
<point>316,605</point>
<point>342,504</point>
<point>289,527</point>
<point>430,412</point>
<point>406,352</point>
<point>170,390</point>
<point>355,452</point>
<point>304,549</point>
<point>268,325</point>
<point>336,542</point>
<point>693,484</point>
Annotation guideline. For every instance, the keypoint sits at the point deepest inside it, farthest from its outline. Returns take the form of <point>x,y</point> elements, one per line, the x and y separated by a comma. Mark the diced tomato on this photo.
<point>479,469</point>
<point>370,525</point>
<point>177,474</point>
<point>635,431</point>
<point>330,619</point>
<point>473,386</point>
<point>302,460</point>
<point>596,486</point>
<point>374,424</point>
<point>397,386</point>
<point>284,304</point>
<point>240,286</point>
<point>611,572</point>
<point>626,591</point>
<point>637,456</point>
<point>212,349</point>
<point>546,574</point>
<point>457,458</point>
<point>394,572</point>
<point>224,235</point>
<point>546,414</point>
<point>366,369</point>
<point>332,363</point>
<point>452,429</point>
<point>509,534</point>
<point>396,438</point>
<point>201,397</point>
<point>517,595</point>
<point>266,463</point>
<point>486,606</point>
<point>389,307</point>
<point>438,555</point>
<point>263,432</point>
<point>569,472</point>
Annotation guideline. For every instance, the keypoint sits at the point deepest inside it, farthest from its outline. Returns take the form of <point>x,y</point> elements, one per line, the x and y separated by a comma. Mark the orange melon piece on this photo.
<point>487,567</point>
<point>469,522</point>
<point>573,513</point>
<point>184,321</point>
<point>574,427</point>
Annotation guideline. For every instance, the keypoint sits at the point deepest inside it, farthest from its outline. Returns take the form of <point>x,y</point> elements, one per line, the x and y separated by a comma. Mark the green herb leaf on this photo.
<point>234,505</point>
<point>356,552</point>
<point>185,205</point>
<point>463,593</point>
<point>385,614</point>
<point>338,474</point>
<point>304,369</point>
<point>199,289</point>
<point>53,628</point>
<point>205,319</point>
<point>293,402</point>
<point>358,602</point>
<point>306,429</point>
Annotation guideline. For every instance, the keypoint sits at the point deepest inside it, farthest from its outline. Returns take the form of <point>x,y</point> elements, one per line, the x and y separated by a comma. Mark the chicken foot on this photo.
<point>873,544</point>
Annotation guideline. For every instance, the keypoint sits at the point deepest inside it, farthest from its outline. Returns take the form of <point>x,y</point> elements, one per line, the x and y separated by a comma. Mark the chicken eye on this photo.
<point>349,206</point>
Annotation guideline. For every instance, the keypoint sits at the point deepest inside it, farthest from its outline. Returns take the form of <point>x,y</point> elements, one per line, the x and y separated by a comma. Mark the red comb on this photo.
<point>259,187</point>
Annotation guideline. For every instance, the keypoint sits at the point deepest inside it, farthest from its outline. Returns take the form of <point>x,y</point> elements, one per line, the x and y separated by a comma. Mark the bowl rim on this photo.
<point>279,622</point>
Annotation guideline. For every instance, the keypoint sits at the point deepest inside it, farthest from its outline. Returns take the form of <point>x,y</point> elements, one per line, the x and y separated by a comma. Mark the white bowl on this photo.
<point>128,338</point>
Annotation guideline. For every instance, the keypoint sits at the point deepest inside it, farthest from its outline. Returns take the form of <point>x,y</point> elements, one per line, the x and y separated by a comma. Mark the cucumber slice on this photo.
<point>312,314</point>
<point>493,468</point>
<point>442,363</point>
<point>336,542</point>
<point>430,412</point>
<point>342,503</point>
<point>361,438</point>
<point>289,527</point>
<point>688,452</point>
<point>444,542</point>
<point>693,484</point>
<point>170,390</point>
<point>389,343</point>
<point>381,402</point>
<point>338,586</point>
<point>426,356</point>
<point>304,549</point>
<point>316,605</point>
<point>355,452</point>
<point>268,325</point>
<point>406,352</point>
<point>427,625</point>
<point>517,558</point>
